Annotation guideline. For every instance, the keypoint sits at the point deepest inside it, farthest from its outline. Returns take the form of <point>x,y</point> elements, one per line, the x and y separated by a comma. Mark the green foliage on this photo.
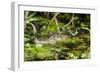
<point>56,36</point>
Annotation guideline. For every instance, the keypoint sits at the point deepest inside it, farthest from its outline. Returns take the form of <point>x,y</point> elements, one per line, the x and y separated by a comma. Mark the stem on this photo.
<point>57,25</point>
<point>73,20</point>
<point>30,16</point>
<point>53,18</point>
<point>34,28</point>
<point>48,14</point>
<point>26,14</point>
<point>86,29</point>
<point>70,21</point>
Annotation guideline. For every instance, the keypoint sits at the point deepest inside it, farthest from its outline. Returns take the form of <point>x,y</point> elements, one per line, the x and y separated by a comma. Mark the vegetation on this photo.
<point>56,36</point>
